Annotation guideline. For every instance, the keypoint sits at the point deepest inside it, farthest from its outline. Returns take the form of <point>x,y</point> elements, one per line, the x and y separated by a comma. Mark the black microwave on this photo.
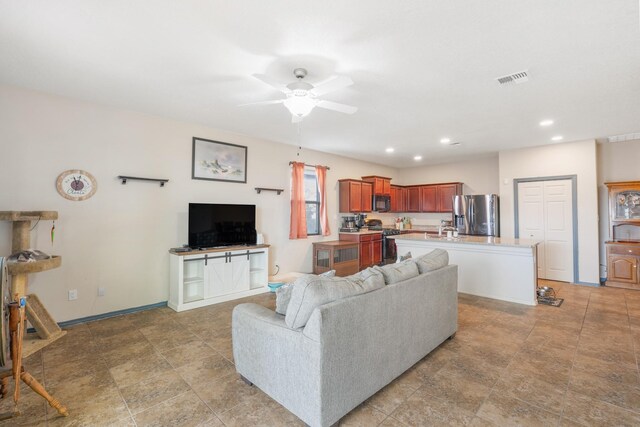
<point>381,203</point>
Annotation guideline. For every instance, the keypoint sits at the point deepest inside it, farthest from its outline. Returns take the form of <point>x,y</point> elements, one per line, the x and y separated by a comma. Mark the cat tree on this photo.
<point>47,330</point>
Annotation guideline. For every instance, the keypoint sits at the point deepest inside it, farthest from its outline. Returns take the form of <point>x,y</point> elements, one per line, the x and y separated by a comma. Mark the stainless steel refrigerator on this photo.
<point>476,215</point>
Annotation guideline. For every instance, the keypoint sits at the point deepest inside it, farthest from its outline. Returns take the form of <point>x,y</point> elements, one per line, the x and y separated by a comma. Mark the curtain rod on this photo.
<point>307,164</point>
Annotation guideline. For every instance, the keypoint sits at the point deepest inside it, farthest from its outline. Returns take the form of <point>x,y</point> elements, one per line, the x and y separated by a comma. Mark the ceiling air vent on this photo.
<point>519,77</point>
<point>625,137</point>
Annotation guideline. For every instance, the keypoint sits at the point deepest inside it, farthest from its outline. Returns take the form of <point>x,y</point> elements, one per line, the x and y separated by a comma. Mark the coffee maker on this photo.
<point>349,224</point>
<point>360,220</point>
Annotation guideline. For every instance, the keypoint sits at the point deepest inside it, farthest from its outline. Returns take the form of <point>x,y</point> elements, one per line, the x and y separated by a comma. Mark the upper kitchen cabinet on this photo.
<point>381,184</point>
<point>367,197</point>
<point>398,199</point>
<point>429,198</point>
<point>413,199</point>
<point>355,196</point>
<point>444,195</point>
<point>425,198</point>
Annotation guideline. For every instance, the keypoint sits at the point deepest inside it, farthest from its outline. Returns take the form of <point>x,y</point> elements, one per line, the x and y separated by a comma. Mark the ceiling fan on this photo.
<point>302,97</point>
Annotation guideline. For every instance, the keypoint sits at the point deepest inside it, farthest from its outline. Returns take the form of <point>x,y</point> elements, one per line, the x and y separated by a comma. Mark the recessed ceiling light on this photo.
<point>557,138</point>
<point>390,150</point>
<point>546,123</point>
<point>445,140</point>
<point>417,157</point>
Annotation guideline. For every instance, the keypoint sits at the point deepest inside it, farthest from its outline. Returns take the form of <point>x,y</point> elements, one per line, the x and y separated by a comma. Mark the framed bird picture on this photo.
<point>218,161</point>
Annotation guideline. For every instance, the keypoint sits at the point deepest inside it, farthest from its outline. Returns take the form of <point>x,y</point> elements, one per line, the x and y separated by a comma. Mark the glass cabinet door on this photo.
<point>626,205</point>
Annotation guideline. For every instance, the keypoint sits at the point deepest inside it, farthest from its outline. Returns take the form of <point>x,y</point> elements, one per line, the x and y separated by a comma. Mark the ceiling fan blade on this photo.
<point>330,85</point>
<point>274,84</point>
<point>296,119</point>
<point>277,101</point>
<point>335,106</point>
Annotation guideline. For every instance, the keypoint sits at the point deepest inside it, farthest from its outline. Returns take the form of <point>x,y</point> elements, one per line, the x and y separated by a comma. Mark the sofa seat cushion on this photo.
<point>434,260</point>
<point>398,272</point>
<point>309,292</point>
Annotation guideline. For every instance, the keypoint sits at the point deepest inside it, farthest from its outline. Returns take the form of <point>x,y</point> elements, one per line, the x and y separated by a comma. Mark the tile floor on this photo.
<point>508,365</point>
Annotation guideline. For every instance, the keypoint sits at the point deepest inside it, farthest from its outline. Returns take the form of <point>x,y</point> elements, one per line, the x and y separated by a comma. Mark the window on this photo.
<point>312,202</point>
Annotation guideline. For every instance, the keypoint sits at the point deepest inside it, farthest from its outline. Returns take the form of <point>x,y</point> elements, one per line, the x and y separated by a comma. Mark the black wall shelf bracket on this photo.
<point>277,190</point>
<point>136,178</point>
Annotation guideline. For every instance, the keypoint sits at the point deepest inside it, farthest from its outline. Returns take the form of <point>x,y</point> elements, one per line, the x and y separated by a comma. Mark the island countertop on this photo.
<point>472,240</point>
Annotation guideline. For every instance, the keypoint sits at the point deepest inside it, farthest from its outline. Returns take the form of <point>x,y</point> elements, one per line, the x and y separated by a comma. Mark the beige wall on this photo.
<point>119,238</point>
<point>616,162</point>
<point>578,158</point>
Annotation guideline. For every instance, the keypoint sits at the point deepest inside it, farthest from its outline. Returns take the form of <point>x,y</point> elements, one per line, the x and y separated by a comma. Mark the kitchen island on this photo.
<point>492,267</point>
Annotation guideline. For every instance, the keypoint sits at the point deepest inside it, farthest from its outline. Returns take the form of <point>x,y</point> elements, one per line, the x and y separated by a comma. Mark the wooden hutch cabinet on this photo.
<point>623,250</point>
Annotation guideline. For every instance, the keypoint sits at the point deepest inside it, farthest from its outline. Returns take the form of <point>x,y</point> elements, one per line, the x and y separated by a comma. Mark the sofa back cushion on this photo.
<point>398,272</point>
<point>283,293</point>
<point>434,260</point>
<point>309,292</point>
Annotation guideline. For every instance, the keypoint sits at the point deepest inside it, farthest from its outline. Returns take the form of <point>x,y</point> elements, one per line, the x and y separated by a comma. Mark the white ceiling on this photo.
<point>422,69</point>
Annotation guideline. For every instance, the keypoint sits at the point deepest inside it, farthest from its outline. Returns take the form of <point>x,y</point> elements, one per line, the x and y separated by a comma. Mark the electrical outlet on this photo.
<point>101,292</point>
<point>73,294</point>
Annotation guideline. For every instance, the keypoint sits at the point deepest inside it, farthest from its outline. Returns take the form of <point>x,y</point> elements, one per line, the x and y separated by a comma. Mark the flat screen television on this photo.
<point>212,225</point>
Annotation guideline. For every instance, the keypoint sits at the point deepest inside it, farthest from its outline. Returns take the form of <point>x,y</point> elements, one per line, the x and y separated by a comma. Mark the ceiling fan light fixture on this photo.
<point>300,106</point>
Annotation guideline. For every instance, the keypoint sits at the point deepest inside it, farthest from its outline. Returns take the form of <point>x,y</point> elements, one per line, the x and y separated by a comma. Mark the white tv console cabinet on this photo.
<point>203,277</point>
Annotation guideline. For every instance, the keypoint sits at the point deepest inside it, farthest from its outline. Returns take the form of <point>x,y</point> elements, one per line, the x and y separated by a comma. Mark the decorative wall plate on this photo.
<point>76,185</point>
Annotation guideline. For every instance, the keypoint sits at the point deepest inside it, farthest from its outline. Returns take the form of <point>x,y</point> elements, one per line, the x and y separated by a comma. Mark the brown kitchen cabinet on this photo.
<point>398,199</point>
<point>367,197</point>
<point>445,193</point>
<point>429,198</point>
<point>355,196</point>
<point>413,199</point>
<point>623,250</point>
<point>381,184</point>
<point>370,247</point>
<point>338,255</point>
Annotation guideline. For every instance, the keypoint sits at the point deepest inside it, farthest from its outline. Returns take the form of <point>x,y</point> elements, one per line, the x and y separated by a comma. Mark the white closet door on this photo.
<point>531,217</point>
<point>546,213</point>
<point>558,230</point>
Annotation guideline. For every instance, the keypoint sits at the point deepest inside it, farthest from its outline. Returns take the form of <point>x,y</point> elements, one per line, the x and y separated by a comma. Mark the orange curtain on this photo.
<point>321,174</point>
<point>298,225</point>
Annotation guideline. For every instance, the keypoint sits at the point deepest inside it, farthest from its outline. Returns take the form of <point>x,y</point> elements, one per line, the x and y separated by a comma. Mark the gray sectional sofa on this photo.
<point>349,348</point>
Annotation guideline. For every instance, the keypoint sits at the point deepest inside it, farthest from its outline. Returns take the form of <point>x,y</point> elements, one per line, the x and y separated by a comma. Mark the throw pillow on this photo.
<point>283,293</point>
<point>398,272</point>
<point>434,260</point>
<point>404,257</point>
<point>310,292</point>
